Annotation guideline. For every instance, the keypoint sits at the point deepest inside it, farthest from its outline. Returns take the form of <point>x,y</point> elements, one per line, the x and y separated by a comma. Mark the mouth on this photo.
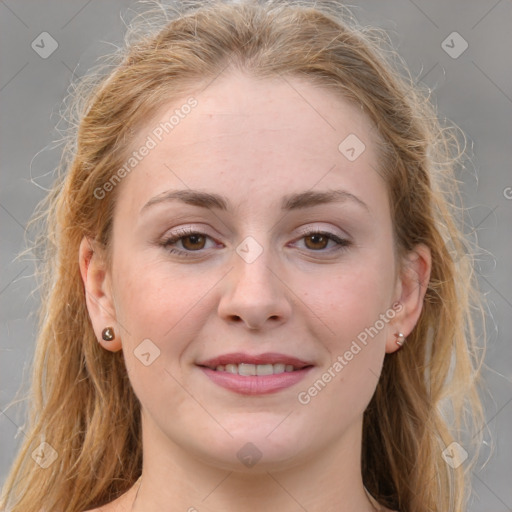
<point>248,369</point>
<point>255,374</point>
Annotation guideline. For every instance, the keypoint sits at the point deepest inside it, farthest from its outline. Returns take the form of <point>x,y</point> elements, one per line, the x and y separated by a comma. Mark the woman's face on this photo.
<point>254,284</point>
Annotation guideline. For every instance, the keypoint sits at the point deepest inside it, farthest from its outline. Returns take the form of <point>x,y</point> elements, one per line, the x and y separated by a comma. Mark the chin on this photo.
<point>255,448</point>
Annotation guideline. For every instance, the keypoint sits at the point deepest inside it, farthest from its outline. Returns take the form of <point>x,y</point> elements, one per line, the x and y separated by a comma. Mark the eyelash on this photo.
<point>342,243</point>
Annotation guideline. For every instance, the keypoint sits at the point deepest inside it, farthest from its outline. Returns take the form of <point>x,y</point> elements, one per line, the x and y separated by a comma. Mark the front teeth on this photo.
<point>247,369</point>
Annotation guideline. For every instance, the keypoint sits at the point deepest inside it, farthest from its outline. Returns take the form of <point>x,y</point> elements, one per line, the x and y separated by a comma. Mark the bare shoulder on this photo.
<point>109,507</point>
<point>121,504</point>
<point>112,507</point>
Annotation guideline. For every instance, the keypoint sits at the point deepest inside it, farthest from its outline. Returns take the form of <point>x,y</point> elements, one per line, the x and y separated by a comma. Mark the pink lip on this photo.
<point>255,384</point>
<point>266,358</point>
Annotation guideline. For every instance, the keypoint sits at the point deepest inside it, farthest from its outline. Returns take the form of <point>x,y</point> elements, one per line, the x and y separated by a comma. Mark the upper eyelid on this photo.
<point>199,229</point>
<point>187,231</point>
<point>322,229</point>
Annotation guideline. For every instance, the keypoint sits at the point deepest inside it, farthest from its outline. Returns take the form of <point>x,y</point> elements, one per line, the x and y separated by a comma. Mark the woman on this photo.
<point>254,294</point>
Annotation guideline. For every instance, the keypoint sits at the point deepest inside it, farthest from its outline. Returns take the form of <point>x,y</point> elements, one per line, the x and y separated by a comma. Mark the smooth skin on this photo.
<point>254,142</point>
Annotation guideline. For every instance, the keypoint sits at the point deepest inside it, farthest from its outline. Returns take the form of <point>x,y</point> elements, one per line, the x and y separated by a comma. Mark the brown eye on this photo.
<point>318,241</point>
<point>197,242</point>
<point>185,242</point>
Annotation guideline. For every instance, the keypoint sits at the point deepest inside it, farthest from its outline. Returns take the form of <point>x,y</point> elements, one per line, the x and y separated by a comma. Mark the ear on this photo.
<point>411,286</point>
<point>98,292</point>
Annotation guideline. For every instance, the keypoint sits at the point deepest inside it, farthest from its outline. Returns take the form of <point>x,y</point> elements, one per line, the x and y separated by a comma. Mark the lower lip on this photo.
<point>255,384</point>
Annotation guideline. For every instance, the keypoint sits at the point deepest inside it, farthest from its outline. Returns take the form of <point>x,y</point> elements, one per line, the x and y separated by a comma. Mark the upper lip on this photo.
<point>266,358</point>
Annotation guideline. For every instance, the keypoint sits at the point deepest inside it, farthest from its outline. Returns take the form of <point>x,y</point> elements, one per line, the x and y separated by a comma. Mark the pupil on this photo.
<point>318,239</point>
<point>195,239</point>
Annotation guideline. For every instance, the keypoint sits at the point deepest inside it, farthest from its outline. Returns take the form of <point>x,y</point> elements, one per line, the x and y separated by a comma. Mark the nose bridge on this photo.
<point>252,272</point>
<point>252,269</point>
<point>254,294</point>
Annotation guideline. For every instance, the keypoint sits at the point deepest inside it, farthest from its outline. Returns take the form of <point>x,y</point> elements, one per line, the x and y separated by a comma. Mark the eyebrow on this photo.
<point>290,202</point>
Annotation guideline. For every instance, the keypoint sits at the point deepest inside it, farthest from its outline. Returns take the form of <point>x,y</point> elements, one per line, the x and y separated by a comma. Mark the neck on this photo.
<point>174,480</point>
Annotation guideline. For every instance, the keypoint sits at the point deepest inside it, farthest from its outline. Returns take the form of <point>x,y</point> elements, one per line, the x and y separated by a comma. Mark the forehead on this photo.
<point>269,137</point>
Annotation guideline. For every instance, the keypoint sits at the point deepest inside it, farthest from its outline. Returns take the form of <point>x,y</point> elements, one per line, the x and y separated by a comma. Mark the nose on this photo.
<point>255,295</point>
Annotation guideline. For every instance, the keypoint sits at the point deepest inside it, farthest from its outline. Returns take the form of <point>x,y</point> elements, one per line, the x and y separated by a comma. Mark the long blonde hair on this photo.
<point>82,403</point>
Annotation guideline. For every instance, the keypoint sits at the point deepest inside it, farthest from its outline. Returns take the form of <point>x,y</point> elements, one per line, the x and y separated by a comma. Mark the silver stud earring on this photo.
<point>400,339</point>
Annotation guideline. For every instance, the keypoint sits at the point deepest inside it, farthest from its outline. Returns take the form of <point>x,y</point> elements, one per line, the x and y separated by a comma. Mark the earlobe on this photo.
<point>412,286</point>
<point>98,293</point>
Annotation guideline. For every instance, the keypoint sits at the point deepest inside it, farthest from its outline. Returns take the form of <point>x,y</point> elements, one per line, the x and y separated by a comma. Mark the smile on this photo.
<point>248,369</point>
<point>255,374</point>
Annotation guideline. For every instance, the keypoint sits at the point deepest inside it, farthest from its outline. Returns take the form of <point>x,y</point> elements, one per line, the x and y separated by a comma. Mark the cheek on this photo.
<point>159,313</point>
<point>153,297</point>
<point>354,303</point>
<point>352,307</point>
<point>354,296</point>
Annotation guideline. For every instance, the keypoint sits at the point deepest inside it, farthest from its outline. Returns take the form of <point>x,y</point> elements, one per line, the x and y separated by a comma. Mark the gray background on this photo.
<point>473,90</point>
